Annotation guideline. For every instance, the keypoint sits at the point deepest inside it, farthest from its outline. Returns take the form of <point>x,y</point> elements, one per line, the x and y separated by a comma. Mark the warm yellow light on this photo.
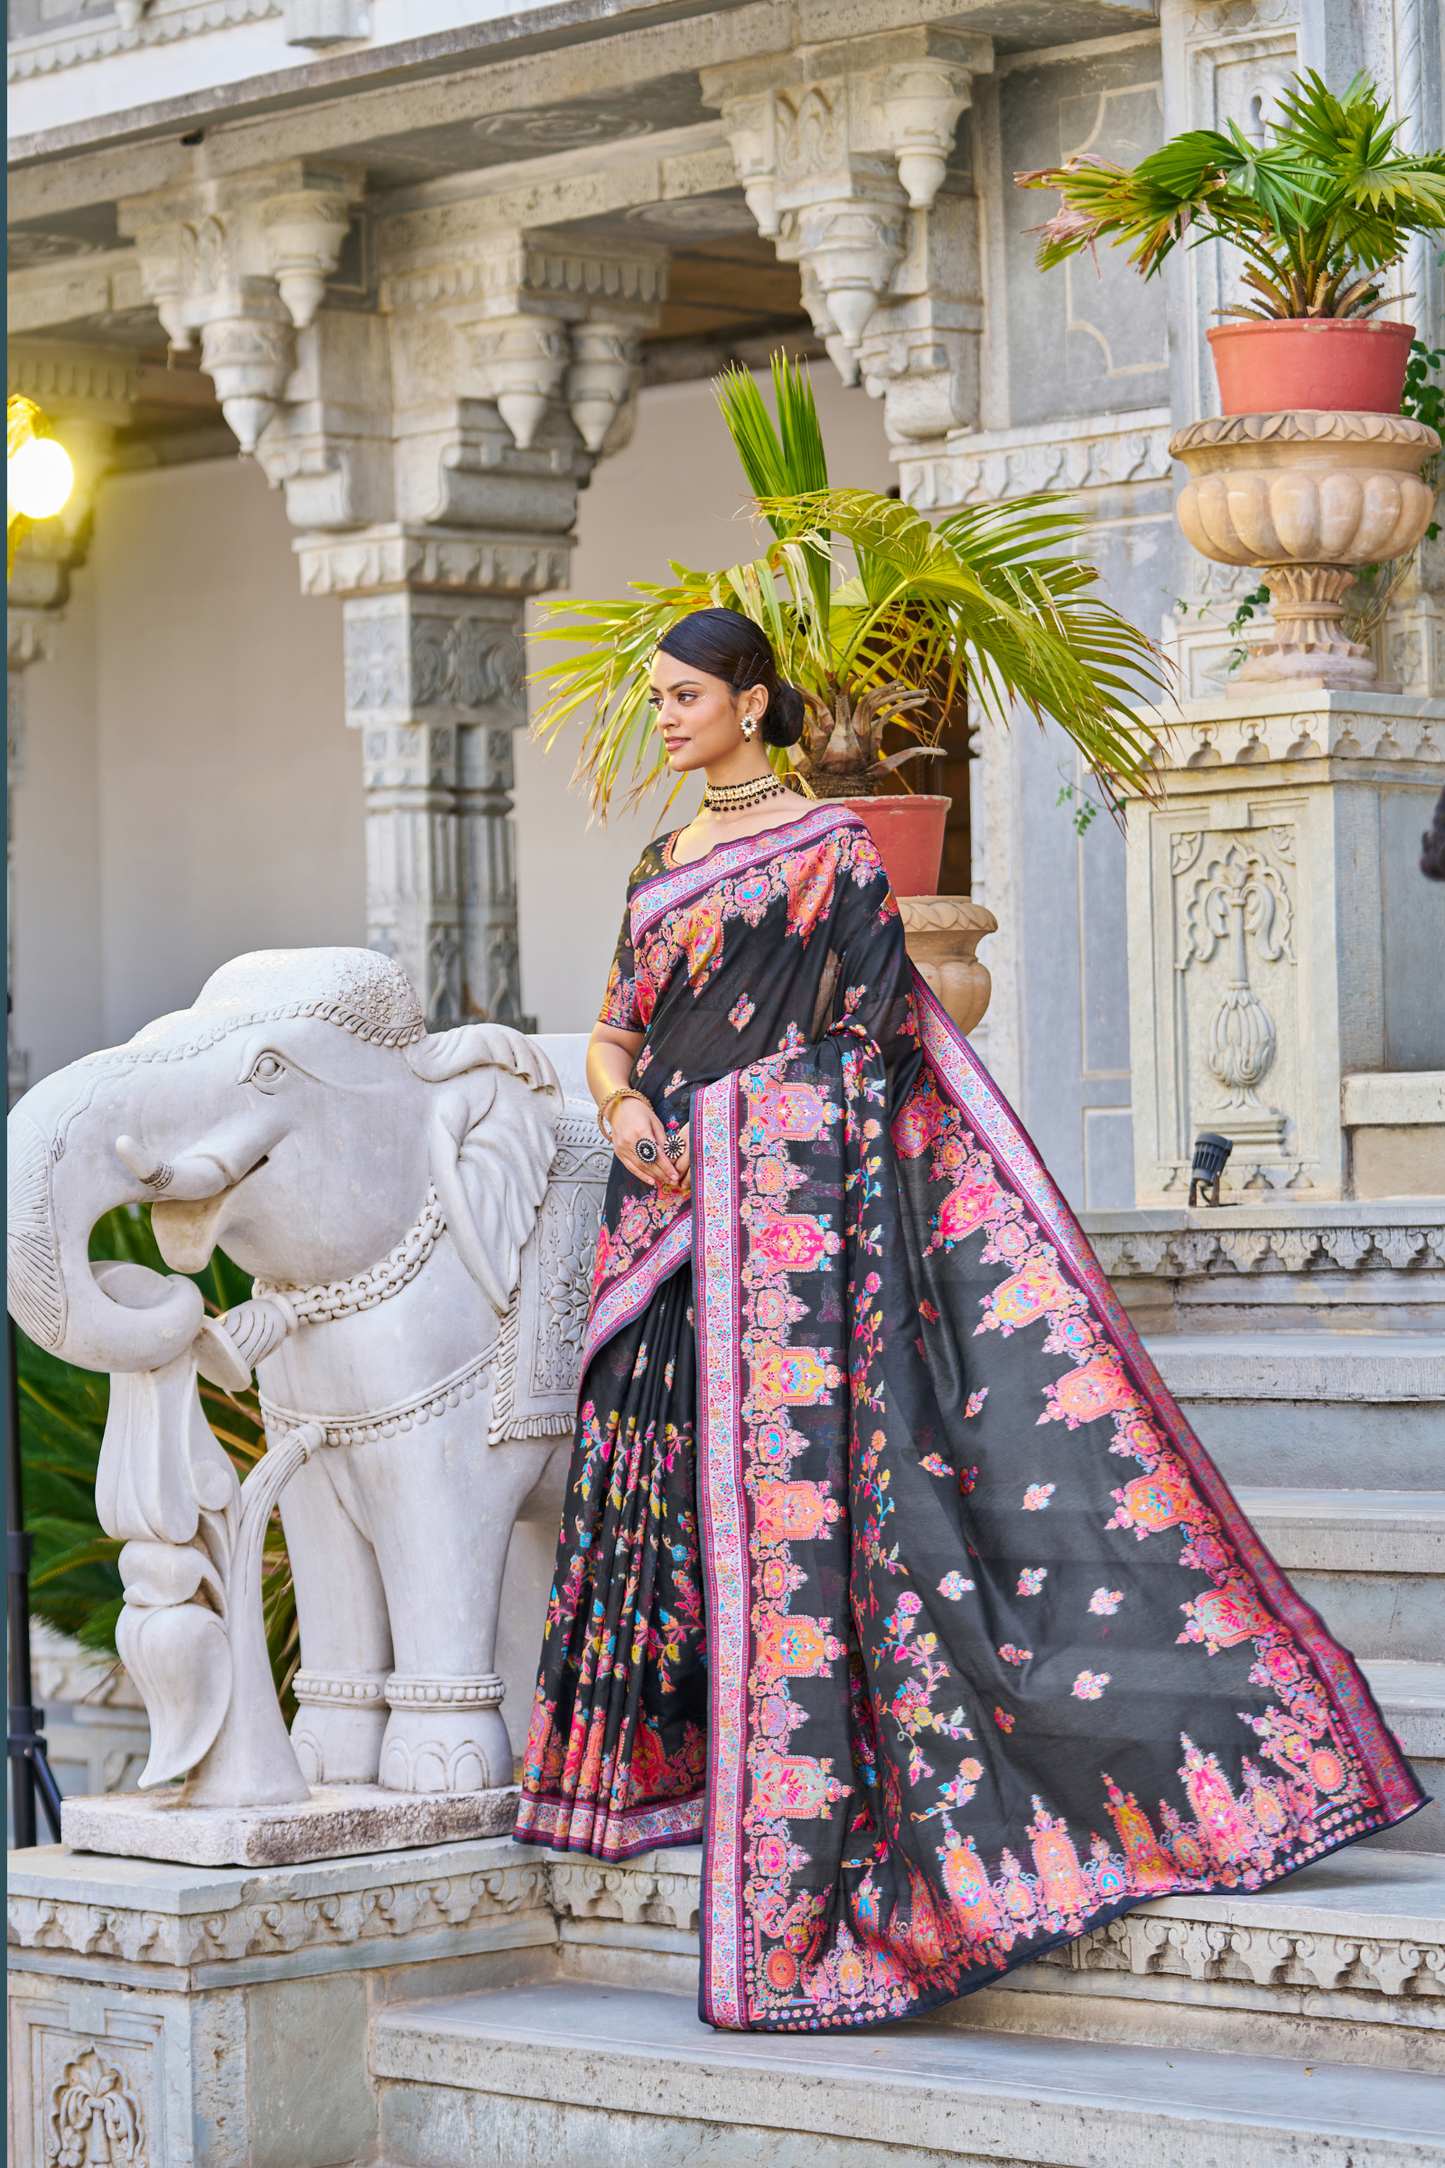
<point>39,478</point>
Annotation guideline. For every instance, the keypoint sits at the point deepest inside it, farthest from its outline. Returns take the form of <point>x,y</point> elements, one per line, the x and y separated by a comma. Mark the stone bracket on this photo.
<point>243,264</point>
<point>544,323</point>
<point>842,150</point>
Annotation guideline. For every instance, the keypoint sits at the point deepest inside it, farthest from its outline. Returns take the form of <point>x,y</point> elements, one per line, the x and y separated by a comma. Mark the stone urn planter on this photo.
<point>1306,496</point>
<point>941,934</point>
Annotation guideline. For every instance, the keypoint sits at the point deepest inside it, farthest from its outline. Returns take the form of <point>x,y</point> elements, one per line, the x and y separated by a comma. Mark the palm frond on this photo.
<point>996,594</point>
<point>1329,198</point>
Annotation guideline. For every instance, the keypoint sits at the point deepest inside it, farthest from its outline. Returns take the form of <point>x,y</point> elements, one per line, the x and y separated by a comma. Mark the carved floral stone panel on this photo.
<point>1236,971</point>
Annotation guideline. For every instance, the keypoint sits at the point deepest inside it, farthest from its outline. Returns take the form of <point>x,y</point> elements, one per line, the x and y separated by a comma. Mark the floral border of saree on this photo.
<point>778,1952</point>
<point>970,1087</point>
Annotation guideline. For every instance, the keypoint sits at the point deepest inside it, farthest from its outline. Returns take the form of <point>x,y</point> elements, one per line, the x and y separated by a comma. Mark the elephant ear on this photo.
<point>492,1137</point>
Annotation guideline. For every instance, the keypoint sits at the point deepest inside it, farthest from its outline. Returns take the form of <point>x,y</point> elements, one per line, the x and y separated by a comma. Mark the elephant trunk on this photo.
<point>55,1199</point>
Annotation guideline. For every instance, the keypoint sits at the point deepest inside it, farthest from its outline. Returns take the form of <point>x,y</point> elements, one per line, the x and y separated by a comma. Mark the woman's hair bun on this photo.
<point>732,647</point>
<point>787,713</point>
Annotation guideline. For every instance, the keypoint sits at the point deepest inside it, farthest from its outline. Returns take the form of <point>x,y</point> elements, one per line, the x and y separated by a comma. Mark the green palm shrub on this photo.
<point>1320,213</point>
<point>877,616</point>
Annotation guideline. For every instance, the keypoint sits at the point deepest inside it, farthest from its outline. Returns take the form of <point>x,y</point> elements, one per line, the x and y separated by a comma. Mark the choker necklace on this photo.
<point>740,797</point>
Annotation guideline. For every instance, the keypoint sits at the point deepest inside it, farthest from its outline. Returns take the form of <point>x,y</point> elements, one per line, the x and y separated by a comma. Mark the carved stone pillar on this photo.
<point>1281,938</point>
<point>461,424</point>
<point>430,449</point>
<point>433,677</point>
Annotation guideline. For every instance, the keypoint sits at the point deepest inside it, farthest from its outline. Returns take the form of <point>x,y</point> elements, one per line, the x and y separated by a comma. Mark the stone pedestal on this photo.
<point>338,1821</point>
<point>1283,941</point>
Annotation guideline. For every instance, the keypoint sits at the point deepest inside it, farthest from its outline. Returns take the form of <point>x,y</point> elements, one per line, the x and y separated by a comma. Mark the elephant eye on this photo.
<point>266,1072</point>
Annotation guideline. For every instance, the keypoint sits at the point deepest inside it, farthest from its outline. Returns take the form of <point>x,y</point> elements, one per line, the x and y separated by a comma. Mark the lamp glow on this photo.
<point>39,478</point>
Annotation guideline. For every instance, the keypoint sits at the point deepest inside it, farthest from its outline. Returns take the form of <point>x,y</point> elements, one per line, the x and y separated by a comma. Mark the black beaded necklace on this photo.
<point>740,797</point>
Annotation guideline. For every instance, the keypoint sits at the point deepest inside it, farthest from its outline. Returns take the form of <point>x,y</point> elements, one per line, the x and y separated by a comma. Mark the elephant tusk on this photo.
<point>194,1177</point>
<point>158,1176</point>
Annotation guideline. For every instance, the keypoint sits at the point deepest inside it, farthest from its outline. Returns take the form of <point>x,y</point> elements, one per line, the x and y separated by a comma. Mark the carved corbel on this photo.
<point>559,327</point>
<point>918,104</point>
<point>244,264</point>
<point>920,352</point>
<point>849,249</point>
<point>521,362</point>
<point>751,124</point>
<point>840,161</point>
<point>601,379</point>
<point>304,232</point>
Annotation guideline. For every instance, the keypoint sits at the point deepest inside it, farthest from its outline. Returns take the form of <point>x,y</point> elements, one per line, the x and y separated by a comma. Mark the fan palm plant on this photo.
<point>877,616</point>
<point>1320,213</point>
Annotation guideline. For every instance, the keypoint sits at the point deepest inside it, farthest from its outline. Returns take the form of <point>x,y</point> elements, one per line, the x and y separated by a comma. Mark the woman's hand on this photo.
<point>633,1119</point>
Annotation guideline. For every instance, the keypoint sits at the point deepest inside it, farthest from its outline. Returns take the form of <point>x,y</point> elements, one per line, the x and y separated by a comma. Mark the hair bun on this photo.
<point>787,713</point>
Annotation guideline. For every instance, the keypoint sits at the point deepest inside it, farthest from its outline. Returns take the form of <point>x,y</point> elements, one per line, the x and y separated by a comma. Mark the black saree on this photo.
<point>888,1566</point>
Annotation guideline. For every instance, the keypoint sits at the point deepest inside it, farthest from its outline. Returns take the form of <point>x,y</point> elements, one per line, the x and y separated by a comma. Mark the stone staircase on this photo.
<point>1304,2025</point>
<point>481,2005</point>
<point>1334,1443</point>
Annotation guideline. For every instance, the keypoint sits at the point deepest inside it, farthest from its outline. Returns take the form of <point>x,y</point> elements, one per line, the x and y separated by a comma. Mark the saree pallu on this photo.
<point>990,1652</point>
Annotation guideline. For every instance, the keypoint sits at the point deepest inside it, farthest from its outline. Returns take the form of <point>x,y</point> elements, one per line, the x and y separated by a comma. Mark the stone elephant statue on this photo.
<point>418,1212</point>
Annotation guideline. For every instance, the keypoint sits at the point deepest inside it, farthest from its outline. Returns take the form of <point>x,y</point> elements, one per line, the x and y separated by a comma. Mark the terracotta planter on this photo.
<point>941,933</point>
<point>1350,365</point>
<point>909,836</point>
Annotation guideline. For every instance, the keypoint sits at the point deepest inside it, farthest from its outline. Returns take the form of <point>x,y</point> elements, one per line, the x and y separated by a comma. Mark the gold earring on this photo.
<point>750,724</point>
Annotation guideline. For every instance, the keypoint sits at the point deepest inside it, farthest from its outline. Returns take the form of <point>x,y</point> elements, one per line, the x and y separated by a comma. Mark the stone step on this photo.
<point>1372,1562</point>
<point>1343,1962</point>
<point>1412,1702</point>
<point>585,2075</point>
<point>1305,1407</point>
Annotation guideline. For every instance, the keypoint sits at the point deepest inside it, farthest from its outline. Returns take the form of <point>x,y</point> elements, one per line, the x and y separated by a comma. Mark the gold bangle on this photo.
<point>624,1091</point>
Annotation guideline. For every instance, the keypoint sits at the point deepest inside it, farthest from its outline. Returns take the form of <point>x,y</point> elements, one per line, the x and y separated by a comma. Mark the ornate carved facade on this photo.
<point>424,275</point>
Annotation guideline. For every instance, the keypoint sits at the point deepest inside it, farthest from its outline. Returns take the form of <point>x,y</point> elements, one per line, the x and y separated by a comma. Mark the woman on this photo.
<point>888,1568</point>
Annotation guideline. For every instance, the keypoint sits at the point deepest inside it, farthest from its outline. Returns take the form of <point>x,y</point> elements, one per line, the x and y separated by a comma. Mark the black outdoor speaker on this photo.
<point>1210,1153</point>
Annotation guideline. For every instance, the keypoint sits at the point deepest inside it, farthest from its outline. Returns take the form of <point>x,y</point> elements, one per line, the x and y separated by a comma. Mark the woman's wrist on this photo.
<point>623,1093</point>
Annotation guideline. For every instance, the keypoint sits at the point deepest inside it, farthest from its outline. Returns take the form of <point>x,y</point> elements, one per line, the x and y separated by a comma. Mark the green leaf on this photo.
<point>1328,199</point>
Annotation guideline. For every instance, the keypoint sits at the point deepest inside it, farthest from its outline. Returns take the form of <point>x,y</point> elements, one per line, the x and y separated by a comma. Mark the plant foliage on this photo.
<point>877,616</point>
<point>74,1580</point>
<point>1320,212</point>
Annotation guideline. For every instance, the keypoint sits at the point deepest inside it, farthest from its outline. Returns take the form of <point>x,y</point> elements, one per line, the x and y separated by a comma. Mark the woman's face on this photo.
<point>700,717</point>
